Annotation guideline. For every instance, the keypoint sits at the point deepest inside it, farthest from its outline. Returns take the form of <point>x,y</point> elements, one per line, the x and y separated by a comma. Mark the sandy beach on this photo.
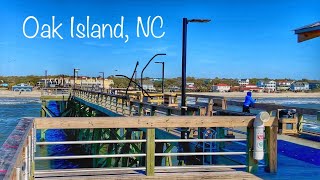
<point>7,94</point>
<point>37,94</point>
<point>263,95</point>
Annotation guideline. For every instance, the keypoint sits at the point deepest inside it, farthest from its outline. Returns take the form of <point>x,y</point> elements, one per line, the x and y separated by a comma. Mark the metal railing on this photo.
<point>55,91</point>
<point>23,163</point>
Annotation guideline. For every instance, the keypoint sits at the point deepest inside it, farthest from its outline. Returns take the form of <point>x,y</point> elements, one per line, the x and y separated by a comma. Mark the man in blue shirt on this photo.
<point>248,102</point>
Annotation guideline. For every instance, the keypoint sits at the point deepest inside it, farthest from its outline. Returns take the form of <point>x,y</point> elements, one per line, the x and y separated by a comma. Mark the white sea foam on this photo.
<point>290,101</point>
<point>16,101</point>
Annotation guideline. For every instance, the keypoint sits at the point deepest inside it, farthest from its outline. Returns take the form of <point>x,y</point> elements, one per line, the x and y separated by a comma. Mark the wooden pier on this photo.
<point>139,135</point>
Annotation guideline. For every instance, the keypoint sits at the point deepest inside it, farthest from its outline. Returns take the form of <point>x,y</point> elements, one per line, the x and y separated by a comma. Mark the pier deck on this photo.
<point>183,174</point>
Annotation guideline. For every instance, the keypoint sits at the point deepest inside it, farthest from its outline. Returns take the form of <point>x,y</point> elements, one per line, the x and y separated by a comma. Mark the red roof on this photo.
<point>220,84</point>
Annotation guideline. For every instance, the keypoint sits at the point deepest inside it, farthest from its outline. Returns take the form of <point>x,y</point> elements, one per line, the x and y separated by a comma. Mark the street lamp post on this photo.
<point>141,80</point>
<point>162,75</point>
<point>135,78</point>
<point>75,70</point>
<point>185,22</point>
<point>45,78</point>
<point>102,80</point>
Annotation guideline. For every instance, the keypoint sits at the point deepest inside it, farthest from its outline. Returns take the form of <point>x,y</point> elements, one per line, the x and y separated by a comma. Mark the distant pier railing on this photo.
<point>55,91</point>
<point>134,103</point>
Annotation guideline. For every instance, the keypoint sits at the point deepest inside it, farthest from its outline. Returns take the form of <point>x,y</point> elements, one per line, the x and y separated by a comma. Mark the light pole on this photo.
<point>75,70</point>
<point>141,80</point>
<point>135,78</point>
<point>45,78</point>
<point>185,22</point>
<point>102,80</point>
<point>162,75</point>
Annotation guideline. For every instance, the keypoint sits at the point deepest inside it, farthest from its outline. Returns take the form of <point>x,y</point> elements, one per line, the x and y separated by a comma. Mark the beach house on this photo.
<point>251,87</point>
<point>148,86</point>
<point>22,87</point>
<point>283,85</point>
<point>314,85</point>
<point>270,86</point>
<point>243,82</point>
<point>190,86</point>
<point>299,86</point>
<point>261,84</point>
<point>221,88</point>
<point>4,86</point>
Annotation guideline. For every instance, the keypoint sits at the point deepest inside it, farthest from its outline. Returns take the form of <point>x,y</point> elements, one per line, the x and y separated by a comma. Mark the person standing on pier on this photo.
<point>248,102</point>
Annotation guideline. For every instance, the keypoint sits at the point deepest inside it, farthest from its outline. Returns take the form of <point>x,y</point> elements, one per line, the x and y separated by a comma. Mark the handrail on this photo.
<point>55,91</point>
<point>17,152</point>
<point>147,122</point>
<point>151,123</point>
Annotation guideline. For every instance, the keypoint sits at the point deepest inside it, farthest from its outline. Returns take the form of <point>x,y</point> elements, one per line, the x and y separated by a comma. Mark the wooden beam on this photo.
<point>145,122</point>
<point>308,35</point>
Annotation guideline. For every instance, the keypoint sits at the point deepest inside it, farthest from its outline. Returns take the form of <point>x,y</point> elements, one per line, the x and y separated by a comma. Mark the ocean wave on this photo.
<point>291,101</point>
<point>16,101</point>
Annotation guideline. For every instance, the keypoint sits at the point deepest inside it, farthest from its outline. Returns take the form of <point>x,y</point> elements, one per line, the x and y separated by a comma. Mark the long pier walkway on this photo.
<point>144,137</point>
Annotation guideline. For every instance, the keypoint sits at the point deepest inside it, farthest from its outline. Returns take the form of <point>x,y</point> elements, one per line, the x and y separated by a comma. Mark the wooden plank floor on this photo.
<point>172,174</point>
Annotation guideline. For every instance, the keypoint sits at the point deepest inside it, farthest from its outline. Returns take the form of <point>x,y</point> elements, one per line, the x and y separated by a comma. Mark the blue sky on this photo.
<point>245,38</point>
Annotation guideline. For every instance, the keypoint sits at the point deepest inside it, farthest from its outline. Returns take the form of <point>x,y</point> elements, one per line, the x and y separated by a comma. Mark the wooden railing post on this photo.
<point>117,100</point>
<point>271,156</point>
<point>150,152</point>
<point>131,108</point>
<point>140,109</point>
<point>224,104</point>
<point>153,111</point>
<point>300,120</point>
<point>252,164</point>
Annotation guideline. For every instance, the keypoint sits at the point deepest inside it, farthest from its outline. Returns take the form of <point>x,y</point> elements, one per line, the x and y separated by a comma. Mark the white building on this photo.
<point>283,85</point>
<point>243,82</point>
<point>148,86</point>
<point>270,86</point>
<point>221,88</point>
<point>299,86</point>
<point>190,86</point>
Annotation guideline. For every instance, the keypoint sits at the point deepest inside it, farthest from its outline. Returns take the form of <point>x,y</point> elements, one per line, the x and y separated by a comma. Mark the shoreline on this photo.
<point>37,94</point>
<point>262,95</point>
<point>12,94</point>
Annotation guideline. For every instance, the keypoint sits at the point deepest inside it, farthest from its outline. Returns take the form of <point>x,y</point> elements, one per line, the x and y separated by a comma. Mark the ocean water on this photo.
<point>312,124</point>
<point>11,109</point>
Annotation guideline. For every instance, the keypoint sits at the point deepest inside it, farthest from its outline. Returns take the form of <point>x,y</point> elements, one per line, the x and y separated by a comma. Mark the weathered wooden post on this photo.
<point>252,164</point>
<point>210,107</point>
<point>150,153</point>
<point>271,157</point>
<point>140,108</point>
<point>300,121</point>
<point>224,104</point>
